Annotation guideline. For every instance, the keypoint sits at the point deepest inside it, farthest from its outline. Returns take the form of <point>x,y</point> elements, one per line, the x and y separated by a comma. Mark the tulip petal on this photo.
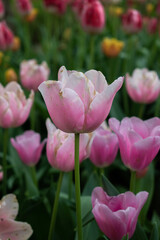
<point>9,207</point>
<point>98,80</point>
<point>65,107</point>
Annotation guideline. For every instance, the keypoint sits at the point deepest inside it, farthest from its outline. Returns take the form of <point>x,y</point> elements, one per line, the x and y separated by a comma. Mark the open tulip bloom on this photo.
<point>117,216</point>
<point>78,102</point>
<point>9,228</point>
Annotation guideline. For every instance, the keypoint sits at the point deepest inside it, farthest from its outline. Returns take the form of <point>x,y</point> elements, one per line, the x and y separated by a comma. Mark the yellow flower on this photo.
<point>149,8</point>
<point>115,11</point>
<point>112,47</point>
<point>10,75</point>
<point>32,15</point>
<point>1,57</point>
<point>67,34</point>
<point>16,43</point>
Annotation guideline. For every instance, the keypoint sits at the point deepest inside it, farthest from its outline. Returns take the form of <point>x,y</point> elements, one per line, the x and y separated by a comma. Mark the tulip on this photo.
<point>93,17</point>
<point>77,7</point>
<point>139,141</point>
<point>78,102</point>
<point>60,148</point>
<point>143,86</point>
<point>57,6</point>
<point>1,173</point>
<point>32,74</point>
<point>6,36</point>
<point>16,44</point>
<point>30,17</point>
<point>9,228</point>
<point>1,9</point>
<point>14,107</point>
<point>104,147</point>
<point>112,47</point>
<point>11,75</point>
<point>152,25</point>
<point>28,147</point>
<point>132,21</point>
<point>117,216</point>
<point>24,6</point>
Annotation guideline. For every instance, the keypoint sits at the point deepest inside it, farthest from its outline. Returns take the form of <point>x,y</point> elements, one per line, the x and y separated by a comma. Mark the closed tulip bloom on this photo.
<point>60,148</point>
<point>1,9</point>
<point>32,74</point>
<point>14,107</point>
<point>152,25</point>
<point>9,228</point>
<point>57,6</point>
<point>104,147</point>
<point>6,36</point>
<point>77,7</point>
<point>139,141</point>
<point>78,102</point>
<point>29,147</point>
<point>24,6</point>
<point>132,21</point>
<point>143,86</point>
<point>112,47</point>
<point>93,17</point>
<point>1,173</point>
<point>117,216</point>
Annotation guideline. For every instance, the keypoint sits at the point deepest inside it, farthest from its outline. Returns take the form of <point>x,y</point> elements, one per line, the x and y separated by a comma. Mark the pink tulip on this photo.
<point>143,86</point>
<point>14,107</point>
<point>6,36</point>
<point>77,7</point>
<point>117,216</point>
<point>104,147</point>
<point>139,141</point>
<point>132,21</point>
<point>78,102</point>
<point>1,173</point>
<point>1,9</point>
<point>93,16</point>
<point>28,147</point>
<point>32,74</point>
<point>9,228</point>
<point>60,148</point>
<point>152,25</point>
<point>24,6</point>
<point>57,6</point>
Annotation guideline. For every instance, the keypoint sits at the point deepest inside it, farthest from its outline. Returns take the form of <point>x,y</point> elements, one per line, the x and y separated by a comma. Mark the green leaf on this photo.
<point>108,187</point>
<point>139,233</point>
<point>92,182</point>
<point>155,233</point>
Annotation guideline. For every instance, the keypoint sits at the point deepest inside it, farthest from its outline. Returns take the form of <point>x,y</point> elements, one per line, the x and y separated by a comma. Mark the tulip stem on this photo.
<point>34,177</point>
<point>77,188</point>
<point>5,144</point>
<point>133,181</point>
<point>141,110</point>
<point>55,207</point>
<point>91,60</point>
<point>70,185</point>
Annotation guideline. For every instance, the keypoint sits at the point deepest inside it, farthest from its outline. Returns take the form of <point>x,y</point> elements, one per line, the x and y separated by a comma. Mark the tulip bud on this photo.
<point>112,47</point>
<point>6,36</point>
<point>24,6</point>
<point>132,21</point>
<point>10,75</point>
<point>16,44</point>
<point>57,6</point>
<point>1,9</point>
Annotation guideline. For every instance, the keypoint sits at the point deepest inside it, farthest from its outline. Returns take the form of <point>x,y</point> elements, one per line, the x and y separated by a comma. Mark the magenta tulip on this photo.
<point>139,141</point>
<point>78,102</point>
<point>1,9</point>
<point>24,6</point>
<point>32,74</point>
<point>6,36</point>
<point>14,107</point>
<point>60,148</point>
<point>132,21</point>
<point>28,147</point>
<point>143,86</point>
<point>57,6</point>
<point>9,228</point>
<point>104,147</point>
<point>117,216</point>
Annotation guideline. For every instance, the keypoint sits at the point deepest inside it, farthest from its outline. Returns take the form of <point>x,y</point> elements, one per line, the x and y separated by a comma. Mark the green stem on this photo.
<point>5,144</point>
<point>157,107</point>
<point>77,186</point>
<point>33,115</point>
<point>34,177</point>
<point>55,207</point>
<point>70,185</point>
<point>133,181</point>
<point>91,60</point>
<point>141,110</point>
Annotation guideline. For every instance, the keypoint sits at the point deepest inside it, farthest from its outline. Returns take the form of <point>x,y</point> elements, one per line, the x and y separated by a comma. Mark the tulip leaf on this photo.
<point>92,182</point>
<point>155,233</point>
<point>139,233</point>
<point>108,187</point>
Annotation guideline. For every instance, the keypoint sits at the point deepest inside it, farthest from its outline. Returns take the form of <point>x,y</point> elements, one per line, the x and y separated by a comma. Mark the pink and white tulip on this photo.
<point>93,16</point>
<point>104,147</point>
<point>9,228</point>
<point>2,10</point>
<point>24,6</point>
<point>139,141</point>
<point>60,148</point>
<point>14,107</point>
<point>6,36</point>
<point>29,147</point>
<point>117,216</point>
<point>32,74</point>
<point>78,102</point>
<point>143,86</point>
<point>132,21</point>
